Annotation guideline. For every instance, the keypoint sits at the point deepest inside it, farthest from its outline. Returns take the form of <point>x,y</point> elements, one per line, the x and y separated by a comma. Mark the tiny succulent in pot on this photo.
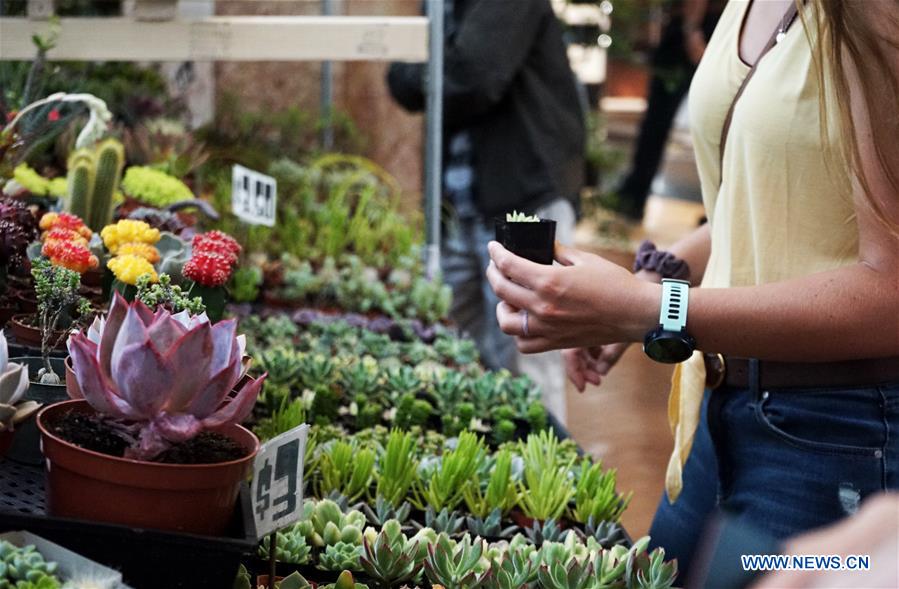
<point>391,558</point>
<point>13,384</point>
<point>454,564</point>
<point>168,374</point>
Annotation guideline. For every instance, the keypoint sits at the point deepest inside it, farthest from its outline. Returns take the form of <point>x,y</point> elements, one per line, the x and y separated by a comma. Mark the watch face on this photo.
<point>668,348</point>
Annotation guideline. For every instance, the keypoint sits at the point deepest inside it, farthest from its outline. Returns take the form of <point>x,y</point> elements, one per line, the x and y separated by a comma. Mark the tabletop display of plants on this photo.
<point>453,513</point>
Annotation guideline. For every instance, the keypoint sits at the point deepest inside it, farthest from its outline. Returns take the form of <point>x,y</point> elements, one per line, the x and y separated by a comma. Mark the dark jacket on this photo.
<point>507,80</point>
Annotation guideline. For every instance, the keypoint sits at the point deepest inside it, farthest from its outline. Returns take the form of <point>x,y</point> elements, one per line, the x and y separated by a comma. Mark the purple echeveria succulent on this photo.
<point>168,374</point>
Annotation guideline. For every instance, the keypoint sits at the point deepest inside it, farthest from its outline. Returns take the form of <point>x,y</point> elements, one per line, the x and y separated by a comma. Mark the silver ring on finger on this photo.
<point>524,323</point>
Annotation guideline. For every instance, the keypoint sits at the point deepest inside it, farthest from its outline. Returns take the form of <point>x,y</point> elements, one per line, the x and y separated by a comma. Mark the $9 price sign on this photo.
<point>278,481</point>
<point>253,196</point>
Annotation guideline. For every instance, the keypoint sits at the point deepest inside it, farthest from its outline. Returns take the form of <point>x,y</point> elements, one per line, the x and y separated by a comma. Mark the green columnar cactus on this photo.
<point>94,176</point>
<point>110,158</point>
<point>81,178</point>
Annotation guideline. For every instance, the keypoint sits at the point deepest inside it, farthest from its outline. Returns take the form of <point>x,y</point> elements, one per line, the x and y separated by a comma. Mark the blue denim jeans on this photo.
<point>786,461</point>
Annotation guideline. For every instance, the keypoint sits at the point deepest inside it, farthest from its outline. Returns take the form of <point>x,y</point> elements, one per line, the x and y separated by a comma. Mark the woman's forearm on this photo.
<point>695,249</point>
<point>843,314</point>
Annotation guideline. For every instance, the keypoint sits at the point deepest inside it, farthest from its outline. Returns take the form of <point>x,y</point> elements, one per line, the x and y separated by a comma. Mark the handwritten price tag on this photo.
<point>253,196</point>
<point>278,481</point>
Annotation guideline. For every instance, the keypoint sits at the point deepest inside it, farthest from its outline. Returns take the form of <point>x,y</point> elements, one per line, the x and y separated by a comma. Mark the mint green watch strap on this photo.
<point>675,298</point>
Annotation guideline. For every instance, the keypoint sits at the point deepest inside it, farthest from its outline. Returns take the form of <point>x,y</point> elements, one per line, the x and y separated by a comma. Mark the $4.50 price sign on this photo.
<point>278,481</point>
<point>253,196</point>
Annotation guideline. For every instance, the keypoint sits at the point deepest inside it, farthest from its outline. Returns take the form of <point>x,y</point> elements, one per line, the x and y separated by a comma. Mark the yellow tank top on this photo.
<point>776,210</point>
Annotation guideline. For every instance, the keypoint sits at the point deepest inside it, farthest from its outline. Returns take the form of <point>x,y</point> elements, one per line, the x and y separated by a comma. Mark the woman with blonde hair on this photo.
<point>791,326</point>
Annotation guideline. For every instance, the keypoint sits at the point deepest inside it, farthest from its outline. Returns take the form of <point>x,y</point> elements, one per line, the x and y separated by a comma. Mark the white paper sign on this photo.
<point>278,481</point>
<point>253,196</point>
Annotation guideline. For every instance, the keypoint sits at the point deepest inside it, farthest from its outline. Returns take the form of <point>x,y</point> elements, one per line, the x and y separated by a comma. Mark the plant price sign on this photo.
<point>253,196</point>
<point>278,481</point>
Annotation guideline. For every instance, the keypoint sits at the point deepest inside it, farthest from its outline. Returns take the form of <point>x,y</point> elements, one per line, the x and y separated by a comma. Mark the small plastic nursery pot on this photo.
<point>88,485</point>
<point>26,446</point>
<point>534,240</point>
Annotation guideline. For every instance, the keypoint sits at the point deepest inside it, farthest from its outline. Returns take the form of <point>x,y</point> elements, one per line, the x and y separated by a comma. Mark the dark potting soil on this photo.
<point>92,432</point>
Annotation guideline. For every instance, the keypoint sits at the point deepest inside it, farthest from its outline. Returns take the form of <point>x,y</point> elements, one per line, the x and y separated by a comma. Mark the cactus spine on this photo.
<point>93,179</point>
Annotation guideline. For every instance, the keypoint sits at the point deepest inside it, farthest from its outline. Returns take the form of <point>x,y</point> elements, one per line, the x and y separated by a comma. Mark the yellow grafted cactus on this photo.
<point>128,231</point>
<point>143,250</point>
<point>128,268</point>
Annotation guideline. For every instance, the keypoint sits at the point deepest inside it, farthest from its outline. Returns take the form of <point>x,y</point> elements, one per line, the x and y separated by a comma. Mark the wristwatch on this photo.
<point>669,342</point>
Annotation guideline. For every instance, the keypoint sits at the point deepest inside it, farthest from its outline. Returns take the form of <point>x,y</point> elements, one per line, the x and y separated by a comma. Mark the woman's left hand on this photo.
<point>588,301</point>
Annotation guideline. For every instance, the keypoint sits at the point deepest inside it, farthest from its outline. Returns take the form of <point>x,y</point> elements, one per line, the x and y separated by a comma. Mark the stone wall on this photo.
<point>394,138</point>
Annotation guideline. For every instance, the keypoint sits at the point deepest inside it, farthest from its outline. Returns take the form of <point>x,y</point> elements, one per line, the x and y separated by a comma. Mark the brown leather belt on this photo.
<point>734,372</point>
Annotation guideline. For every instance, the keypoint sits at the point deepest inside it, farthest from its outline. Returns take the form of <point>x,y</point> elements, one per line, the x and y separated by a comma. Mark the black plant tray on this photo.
<point>148,559</point>
<point>17,350</point>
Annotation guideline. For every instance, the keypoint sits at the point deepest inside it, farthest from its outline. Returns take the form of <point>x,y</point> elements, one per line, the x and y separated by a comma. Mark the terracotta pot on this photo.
<point>28,335</point>
<point>26,448</point>
<point>88,485</point>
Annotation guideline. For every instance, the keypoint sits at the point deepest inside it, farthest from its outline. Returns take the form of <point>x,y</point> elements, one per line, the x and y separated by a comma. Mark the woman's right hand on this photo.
<point>591,365</point>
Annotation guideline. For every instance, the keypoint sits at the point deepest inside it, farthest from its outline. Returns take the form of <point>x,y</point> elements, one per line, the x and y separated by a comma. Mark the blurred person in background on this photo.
<point>514,139</point>
<point>689,26</point>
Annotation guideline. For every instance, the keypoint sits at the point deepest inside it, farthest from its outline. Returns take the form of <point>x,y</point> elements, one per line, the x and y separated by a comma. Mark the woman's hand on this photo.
<point>591,365</point>
<point>586,303</point>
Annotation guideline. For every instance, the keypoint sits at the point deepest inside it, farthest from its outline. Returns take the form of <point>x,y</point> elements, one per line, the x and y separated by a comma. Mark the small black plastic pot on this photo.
<point>26,446</point>
<point>534,240</point>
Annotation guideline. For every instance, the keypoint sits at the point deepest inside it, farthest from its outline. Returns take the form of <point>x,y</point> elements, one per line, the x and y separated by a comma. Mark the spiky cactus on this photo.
<point>94,176</point>
<point>110,158</point>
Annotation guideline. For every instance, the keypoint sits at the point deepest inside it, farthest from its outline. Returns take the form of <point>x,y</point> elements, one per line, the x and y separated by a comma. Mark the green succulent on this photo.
<point>290,547</point>
<point>445,486</point>
<point>391,558</point>
<point>499,491</point>
<point>383,511</point>
<point>490,526</point>
<point>516,217</point>
<point>570,574</point>
<point>548,531</point>
<point>443,522</point>
<point>504,431</point>
<point>514,570</point>
<point>154,187</point>
<point>454,564</point>
<point>340,556</point>
<point>595,495</point>
<point>25,567</point>
<point>605,533</point>
<point>346,468</point>
<point>345,581</point>
<point>397,468</point>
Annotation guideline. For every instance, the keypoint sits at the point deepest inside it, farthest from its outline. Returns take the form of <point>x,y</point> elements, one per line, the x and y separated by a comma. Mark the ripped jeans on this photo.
<point>785,460</point>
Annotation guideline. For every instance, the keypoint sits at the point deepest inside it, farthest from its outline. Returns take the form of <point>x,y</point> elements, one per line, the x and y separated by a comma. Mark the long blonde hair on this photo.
<point>867,33</point>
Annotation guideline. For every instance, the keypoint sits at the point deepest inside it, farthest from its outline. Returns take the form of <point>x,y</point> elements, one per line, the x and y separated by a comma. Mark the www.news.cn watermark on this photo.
<point>805,562</point>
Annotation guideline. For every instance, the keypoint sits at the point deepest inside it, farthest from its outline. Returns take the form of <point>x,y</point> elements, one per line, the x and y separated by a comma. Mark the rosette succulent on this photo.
<point>13,384</point>
<point>169,374</point>
<point>18,228</point>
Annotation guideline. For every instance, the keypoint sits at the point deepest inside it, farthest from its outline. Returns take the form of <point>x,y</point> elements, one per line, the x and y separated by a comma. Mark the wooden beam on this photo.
<point>224,38</point>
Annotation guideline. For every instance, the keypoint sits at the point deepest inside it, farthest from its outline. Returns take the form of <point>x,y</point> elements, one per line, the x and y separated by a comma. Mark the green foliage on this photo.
<point>573,574</point>
<point>340,556</point>
<point>445,485</point>
<point>454,564</point>
<point>490,526</point>
<point>290,547</point>
<point>165,294</point>
<point>347,469</point>
<point>154,187</point>
<point>391,558</point>
<point>60,309</point>
<point>595,495</point>
<point>396,470</point>
<point>383,511</point>
<point>547,531</point>
<point>245,283</point>
<point>516,217</point>
<point>412,412</point>
<point>498,492</point>
<point>547,485</point>
<point>25,568</point>
<point>443,522</point>
<point>513,570</point>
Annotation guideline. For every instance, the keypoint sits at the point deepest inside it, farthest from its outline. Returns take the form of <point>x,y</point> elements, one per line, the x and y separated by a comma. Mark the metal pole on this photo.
<point>434,137</point>
<point>327,93</point>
